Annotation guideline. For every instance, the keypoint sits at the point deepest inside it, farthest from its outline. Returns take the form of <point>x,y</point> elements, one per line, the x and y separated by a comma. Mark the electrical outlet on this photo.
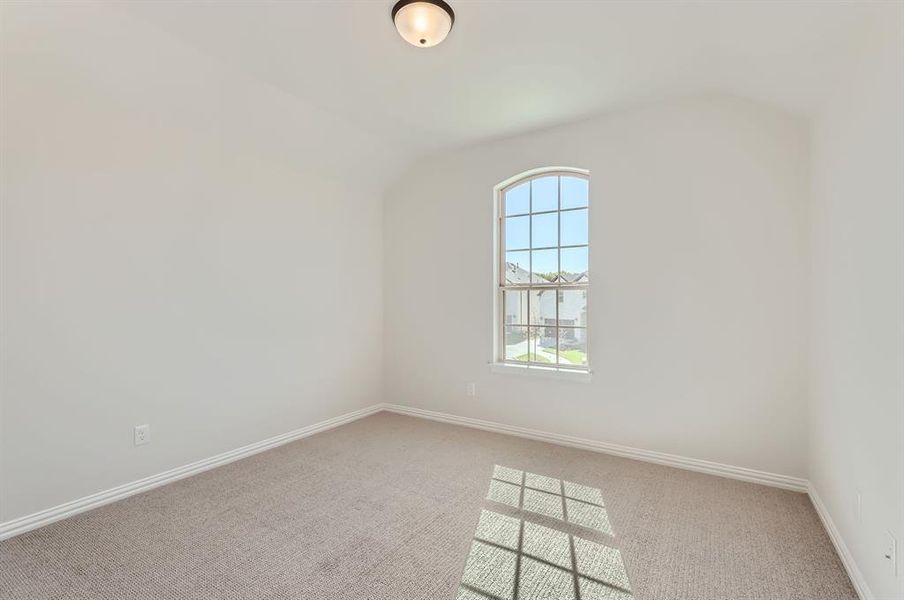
<point>472,390</point>
<point>858,506</point>
<point>142,434</point>
<point>891,552</point>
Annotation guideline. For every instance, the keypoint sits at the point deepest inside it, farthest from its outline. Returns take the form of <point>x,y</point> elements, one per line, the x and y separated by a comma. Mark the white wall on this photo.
<point>857,305</point>
<point>699,267</point>
<point>181,246</point>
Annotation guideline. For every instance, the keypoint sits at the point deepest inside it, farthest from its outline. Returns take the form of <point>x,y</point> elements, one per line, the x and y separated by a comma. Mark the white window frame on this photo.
<point>499,362</point>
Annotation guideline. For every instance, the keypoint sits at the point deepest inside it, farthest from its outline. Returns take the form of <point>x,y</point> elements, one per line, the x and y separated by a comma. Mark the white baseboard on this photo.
<point>691,464</point>
<point>56,513</point>
<point>847,559</point>
<point>46,517</point>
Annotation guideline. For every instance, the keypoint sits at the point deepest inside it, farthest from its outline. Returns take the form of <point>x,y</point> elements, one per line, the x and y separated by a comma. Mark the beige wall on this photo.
<point>698,283</point>
<point>181,247</point>
<point>857,306</point>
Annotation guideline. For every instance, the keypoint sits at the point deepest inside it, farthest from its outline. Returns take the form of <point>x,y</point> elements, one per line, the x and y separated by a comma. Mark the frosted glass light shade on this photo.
<point>423,23</point>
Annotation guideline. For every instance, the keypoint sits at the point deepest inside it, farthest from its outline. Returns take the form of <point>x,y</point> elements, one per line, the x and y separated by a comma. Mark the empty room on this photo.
<point>451,300</point>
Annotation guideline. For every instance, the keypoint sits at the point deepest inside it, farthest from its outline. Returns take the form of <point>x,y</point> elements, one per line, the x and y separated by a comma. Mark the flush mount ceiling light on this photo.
<point>423,23</point>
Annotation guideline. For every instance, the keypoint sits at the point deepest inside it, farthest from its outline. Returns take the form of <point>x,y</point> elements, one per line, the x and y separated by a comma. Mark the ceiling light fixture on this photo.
<point>423,23</point>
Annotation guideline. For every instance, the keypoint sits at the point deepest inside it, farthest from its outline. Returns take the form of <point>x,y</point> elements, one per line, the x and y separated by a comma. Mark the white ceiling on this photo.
<point>511,66</point>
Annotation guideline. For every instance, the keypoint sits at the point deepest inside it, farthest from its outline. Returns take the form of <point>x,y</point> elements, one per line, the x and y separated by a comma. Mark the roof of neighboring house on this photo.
<point>572,277</point>
<point>515,274</point>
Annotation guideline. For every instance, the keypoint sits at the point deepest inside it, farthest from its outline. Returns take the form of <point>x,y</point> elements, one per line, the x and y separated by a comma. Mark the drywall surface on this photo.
<point>181,246</point>
<point>698,270</point>
<point>857,306</point>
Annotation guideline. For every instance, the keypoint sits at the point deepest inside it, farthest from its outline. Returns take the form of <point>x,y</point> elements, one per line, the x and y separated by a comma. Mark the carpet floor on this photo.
<point>393,507</point>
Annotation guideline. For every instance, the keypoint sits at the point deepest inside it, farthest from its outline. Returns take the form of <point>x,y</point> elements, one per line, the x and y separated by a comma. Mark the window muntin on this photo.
<point>544,275</point>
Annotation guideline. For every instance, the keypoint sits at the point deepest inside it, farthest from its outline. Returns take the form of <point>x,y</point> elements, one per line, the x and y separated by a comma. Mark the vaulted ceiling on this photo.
<point>512,66</point>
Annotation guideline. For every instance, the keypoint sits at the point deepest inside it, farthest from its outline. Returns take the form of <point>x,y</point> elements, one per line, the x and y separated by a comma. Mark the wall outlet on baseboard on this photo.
<point>472,390</point>
<point>142,434</point>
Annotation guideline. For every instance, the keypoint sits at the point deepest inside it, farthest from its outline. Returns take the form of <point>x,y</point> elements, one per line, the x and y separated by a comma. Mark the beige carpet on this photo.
<point>392,507</point>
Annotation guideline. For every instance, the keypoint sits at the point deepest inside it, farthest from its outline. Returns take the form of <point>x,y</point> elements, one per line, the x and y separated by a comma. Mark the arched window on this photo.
<point>543,267</point>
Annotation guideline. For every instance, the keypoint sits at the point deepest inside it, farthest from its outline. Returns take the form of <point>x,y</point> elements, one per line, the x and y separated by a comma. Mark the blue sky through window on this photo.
<point>573,224</point>
<point>548,229</point>
<point>544,194</point>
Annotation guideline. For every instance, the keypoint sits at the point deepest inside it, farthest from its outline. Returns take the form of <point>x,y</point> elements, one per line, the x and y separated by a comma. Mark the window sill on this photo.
<point>544,372</point>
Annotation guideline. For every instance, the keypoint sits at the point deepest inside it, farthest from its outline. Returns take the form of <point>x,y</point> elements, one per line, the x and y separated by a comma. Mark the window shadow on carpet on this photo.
<point>516,558</point>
